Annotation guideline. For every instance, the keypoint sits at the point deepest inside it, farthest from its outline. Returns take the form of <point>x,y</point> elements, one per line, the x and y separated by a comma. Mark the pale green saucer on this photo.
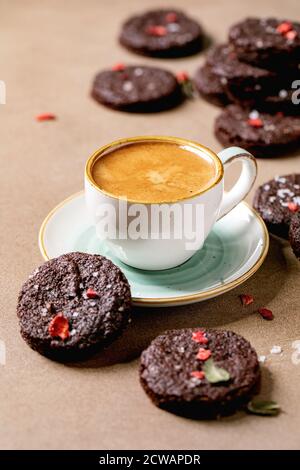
<point>234,250</point>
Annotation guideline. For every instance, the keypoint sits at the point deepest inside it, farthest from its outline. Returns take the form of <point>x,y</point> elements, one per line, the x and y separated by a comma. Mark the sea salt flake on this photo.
<point>73,332</point>
<point>75,314</point>
<point>173,27</point>
<point>194,381</point>
<point>95,274</point>
<point>272,199</point>
<point>127,86</point>
<point>121,309</point>
<point>36,286</point>
<point>276,350</point>
<point>254,114</point>
<point>224,81</point>
<point>138,72</point>
<point>181,349</point>
<point>283,94</point>
<point>296,200</point>
<point>280,179</point>
<point>262,359</point>
<point>267,187</point>
<point>259,44</point>
<point>283,192</point>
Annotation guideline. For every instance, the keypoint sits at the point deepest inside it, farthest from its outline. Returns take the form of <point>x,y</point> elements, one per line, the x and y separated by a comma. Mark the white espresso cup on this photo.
<point>160,248</point>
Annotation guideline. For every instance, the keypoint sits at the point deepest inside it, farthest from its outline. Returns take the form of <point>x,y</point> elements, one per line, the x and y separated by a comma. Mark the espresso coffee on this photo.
<point>154,172</point>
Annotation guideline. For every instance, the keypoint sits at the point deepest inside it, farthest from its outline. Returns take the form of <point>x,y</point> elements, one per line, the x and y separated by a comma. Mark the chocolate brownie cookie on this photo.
<point>162,33</point>
<point>294,234</point>
<point>73,304</point>
<point>210,87</point>
<point>278,102</point>
<point>177,376</point>
<point>262,134</point>
<point>137,89</point>
<point>267,42</point>
<point>245,83</point>
<point>277,201</point>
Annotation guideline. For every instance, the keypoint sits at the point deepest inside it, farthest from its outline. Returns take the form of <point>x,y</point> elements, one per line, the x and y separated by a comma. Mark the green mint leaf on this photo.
<point>263,408</point>
<point>213,373</point>
<point>188,89</point>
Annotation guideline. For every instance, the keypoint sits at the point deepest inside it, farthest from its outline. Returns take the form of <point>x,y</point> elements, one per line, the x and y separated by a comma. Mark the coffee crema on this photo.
<point>154,172</point>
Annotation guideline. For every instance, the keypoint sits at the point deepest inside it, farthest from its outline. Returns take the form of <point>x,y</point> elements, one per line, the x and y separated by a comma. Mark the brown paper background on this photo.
<point>49,52</point>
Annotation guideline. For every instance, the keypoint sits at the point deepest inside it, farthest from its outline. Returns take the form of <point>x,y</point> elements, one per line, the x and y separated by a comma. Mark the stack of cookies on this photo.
<point>254,76</point>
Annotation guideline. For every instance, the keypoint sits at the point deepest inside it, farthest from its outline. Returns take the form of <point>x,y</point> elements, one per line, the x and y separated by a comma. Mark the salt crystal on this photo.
<point>181,349</point>
<point>280,179</point>
<point>127,86</point>
<point>223,80</point>
<point>296,200</point>
<point>72,332</point>
<point>173,27</point>
<point>95,274</point>
<point>121,309</point>
<point>259,44</point>
<point>267,187</point>
<point>272,199</point>
<point>262,359</point>
<point>283,94</point>
<point>36,286</point>
<point>75,314</point>
<point>138,72</point>
<point>276,350</point>
<point>254,114</point>
<point>283,192</point>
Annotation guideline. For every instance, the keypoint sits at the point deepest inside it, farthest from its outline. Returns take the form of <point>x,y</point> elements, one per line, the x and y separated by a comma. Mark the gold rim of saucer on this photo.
<point>157,301</point>
<point>156,138</point>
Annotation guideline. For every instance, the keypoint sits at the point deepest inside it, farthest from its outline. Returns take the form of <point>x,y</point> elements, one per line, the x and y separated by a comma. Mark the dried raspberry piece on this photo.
<point>91,293</point>
<point>291,35</point>
<point>266,313</point>
<point>199,337</point>
<point>246,299</point>
<point>198,374</point>
<point>203,354</point>
<point>59,327</point>
<point>255,122</point>
<point>284,27</point>
<point>293,207</point>
<point>157,30</point>
<point>45,117</point>
<point>171,17</point>
<point>118,67</point>
<point>182,76</point>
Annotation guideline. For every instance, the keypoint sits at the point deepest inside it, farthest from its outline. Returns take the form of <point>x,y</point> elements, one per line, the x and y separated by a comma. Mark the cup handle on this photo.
<point>245,182</point>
